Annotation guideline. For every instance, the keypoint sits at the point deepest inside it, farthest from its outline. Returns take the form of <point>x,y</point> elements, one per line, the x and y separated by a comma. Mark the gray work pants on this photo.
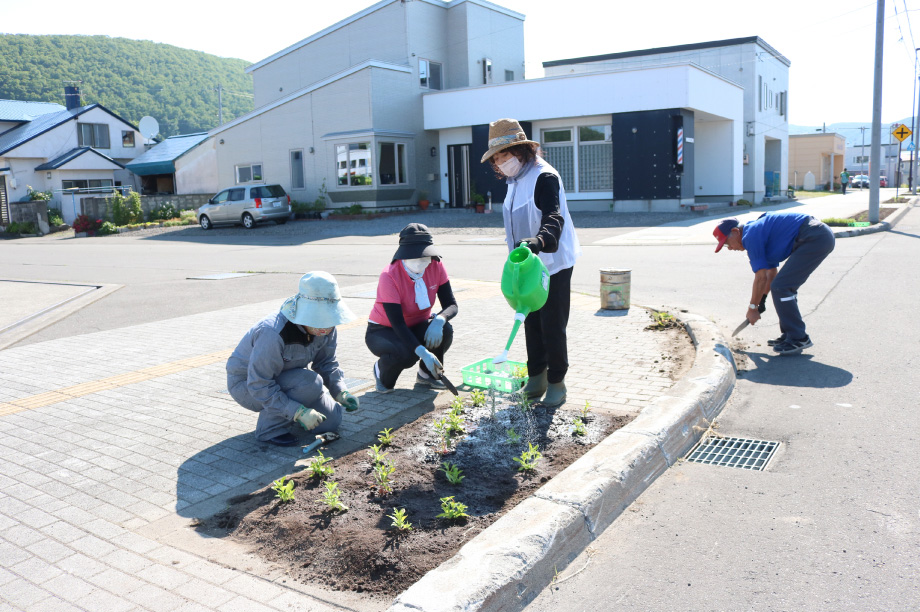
<point>813,244</point>
<point>304,386</point>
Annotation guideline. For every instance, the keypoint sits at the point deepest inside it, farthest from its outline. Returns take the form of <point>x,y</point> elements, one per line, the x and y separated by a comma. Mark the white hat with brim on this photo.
<point>318,303</point>
<point>505,133</point>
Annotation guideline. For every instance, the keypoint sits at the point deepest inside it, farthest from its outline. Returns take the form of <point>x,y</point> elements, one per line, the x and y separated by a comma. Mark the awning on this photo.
<point>149,168</point>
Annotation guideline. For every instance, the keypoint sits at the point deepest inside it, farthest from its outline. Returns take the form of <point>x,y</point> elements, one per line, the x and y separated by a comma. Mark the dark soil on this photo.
<point>359,550</point>
<point>882,212</point>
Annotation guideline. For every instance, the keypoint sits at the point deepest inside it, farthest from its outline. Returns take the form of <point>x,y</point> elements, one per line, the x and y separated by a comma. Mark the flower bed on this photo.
<point>507,451</point>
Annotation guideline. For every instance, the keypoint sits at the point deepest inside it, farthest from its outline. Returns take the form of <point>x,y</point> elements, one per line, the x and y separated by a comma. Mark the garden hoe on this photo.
<point>329,436</point>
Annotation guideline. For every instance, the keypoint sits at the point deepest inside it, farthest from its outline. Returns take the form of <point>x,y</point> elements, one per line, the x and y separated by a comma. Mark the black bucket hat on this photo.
<point>415,241</point>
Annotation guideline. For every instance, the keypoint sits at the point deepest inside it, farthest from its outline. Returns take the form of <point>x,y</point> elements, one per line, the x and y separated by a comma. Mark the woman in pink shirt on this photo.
<point>402,329</point>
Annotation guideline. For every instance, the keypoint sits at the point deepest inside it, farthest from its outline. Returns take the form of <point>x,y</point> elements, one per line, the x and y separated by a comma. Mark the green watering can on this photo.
<point>525,285</point>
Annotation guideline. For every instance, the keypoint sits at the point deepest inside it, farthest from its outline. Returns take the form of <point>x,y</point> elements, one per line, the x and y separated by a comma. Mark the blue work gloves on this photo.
<point>348,400</point>
<point>431,362</point>
<point>533,244</point>
<point>435,332</point>
<point>308,418</point>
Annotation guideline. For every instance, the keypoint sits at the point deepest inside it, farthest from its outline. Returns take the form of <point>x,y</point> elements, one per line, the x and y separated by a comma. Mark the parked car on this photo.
<point>882,181</point>
<point>246,205</point>
<point>859,180</point>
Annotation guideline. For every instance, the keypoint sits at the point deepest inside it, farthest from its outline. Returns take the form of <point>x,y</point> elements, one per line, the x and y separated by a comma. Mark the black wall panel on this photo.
<point>645,155</point>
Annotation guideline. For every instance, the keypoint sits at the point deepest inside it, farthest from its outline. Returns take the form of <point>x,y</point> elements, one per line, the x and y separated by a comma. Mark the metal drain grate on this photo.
<point>741,453</point>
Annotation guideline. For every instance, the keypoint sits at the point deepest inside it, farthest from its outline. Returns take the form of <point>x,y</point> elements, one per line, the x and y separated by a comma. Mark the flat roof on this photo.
<point>712,44</point>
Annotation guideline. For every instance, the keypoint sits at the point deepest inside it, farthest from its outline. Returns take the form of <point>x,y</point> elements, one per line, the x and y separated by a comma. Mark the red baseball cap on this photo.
<point>723,229</point>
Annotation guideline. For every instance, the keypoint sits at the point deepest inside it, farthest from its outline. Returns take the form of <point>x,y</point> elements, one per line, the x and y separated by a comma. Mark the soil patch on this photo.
<point>359,549</point>
<point>882,212</point>
<point>677,351</point>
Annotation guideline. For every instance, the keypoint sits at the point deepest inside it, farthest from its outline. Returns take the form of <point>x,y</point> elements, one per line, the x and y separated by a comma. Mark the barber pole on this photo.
<point>680,146</point>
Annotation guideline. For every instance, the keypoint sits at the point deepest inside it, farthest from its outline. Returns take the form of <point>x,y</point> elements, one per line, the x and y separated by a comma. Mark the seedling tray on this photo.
<point>486,375</point>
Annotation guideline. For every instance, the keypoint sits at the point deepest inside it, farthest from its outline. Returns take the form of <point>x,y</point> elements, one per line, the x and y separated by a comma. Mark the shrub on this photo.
<point>126,210</point>
<point>39,196</point>
<point>55,217</point>
<point>163,212</point>
<point>838,222</point>
<point>87,225</point>
<point>743,202</point>
<point>189,214</point>
<point>106,228</point>
<point>354,209</point>
<point>300,207</point>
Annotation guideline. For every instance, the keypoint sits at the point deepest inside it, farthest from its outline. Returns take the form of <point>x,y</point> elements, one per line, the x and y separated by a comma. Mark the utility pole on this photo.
<point>862,151</point>
<point>874,165</point>
<point>220,104</point>
<point>915,155</point>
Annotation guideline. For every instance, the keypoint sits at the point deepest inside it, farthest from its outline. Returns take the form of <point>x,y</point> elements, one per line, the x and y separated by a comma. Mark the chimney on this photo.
<point>72,97</point>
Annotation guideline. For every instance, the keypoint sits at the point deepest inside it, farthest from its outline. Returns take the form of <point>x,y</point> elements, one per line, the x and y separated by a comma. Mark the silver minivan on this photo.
<point>246,204</point>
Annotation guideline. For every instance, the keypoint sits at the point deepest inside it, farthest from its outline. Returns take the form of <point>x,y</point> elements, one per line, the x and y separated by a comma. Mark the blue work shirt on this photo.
<point>769,239</point>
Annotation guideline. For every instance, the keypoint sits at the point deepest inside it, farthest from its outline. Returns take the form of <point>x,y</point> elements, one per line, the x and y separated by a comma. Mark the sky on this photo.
<point>831,44</point>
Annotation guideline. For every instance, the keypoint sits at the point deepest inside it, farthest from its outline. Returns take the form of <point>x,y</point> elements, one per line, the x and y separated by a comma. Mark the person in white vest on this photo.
<point>536,215</point>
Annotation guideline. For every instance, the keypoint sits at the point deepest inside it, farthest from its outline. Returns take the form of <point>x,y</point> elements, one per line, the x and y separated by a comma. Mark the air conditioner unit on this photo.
<point>745,159</point>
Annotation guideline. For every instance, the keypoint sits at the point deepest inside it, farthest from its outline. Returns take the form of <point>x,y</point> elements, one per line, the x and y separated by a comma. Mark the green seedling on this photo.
<point>376,454</point>
<point>478,397</point>
<point>331,497</point>
<point>585,411</point>
<point>283,491</point>
<point>513,437</point>
<point>527,462</point>
<point>443,430</point>
<point>400,520</point>
<point>519,372</point>
<point>451,509</point>
<point>455,424</point>
<point>580,428</point>
<point>382,473</point>
<point>318,468</point>
<point>526,404</point>
<point>453,473</point>
<point>456,406</point>
<point>385,437</point>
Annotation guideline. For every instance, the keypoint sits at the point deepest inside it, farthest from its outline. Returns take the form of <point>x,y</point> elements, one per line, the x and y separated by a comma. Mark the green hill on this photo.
<point>132,78</point>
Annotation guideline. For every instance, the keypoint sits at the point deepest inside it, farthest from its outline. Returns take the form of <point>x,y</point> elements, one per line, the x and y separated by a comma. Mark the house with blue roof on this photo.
<point>179,164</point>
<point>72,150</point>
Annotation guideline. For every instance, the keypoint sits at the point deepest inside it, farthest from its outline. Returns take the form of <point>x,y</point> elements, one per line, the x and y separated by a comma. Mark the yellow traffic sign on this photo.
<point>901,132</point>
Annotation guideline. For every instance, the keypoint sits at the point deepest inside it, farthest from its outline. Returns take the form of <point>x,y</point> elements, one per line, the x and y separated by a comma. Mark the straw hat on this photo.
<point>318,303</point>
<point>415,241</point>
<point>505,133</point>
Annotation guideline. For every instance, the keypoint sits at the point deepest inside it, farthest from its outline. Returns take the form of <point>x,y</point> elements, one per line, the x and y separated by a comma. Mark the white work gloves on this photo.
<point>348,400</point>
<point>431,362</point>
<point>434,335</point>
<point>308,418</point>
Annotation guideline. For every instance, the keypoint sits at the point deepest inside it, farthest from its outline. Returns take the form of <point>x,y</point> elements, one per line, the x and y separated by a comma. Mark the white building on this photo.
<point>758,68</point>
<point>50,147</point>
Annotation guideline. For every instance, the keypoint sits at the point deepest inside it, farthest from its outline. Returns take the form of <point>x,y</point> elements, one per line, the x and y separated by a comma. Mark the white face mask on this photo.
<point>510,167</point>
<point>417,266</point>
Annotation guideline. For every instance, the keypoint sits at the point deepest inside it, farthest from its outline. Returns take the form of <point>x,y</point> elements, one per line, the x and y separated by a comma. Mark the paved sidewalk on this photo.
<point>112,443</point>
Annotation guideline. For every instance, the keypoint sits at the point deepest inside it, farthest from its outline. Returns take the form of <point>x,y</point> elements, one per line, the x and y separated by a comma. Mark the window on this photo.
<point>103,185</point>
<point>392,164</point>
<point>486,71</point>
<point>595,158</point>
<point>236,195</point>
<point>127,139</point>
<point>95,135</point>
<point>559,151</point>
<point>269,191</point>
<point>861,159</point>
<point>509,75</point>
<point>249,173</point>
<point>353,164</point>
<point>429,74</point>
<point>297,180</point>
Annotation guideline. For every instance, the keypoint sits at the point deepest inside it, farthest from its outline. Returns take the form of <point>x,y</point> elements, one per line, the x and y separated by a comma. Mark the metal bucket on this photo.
<point>615,289</point>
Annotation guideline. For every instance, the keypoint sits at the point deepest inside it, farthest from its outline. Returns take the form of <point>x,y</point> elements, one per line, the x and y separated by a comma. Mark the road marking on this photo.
<point>472,290</point>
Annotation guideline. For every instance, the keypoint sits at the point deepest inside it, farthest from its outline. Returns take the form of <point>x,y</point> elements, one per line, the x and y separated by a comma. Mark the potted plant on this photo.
<point>479,201</point>
<point>423,200</point>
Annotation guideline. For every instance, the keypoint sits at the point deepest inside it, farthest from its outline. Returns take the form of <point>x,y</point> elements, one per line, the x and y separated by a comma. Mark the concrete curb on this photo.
<point>508,564</point>
<point>882,226</point>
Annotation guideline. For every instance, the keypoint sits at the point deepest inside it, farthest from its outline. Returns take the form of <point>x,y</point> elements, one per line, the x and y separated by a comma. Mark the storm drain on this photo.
<point>741,453</point>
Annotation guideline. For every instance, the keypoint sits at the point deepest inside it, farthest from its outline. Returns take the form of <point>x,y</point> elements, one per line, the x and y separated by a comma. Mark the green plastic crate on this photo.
<point>486,375</point>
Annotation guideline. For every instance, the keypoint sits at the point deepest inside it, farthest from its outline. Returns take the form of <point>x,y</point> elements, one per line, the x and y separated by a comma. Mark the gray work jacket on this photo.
<point>274,345</point>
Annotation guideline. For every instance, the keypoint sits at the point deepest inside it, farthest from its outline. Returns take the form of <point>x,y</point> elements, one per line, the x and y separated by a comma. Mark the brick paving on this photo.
<point>105,436</point>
